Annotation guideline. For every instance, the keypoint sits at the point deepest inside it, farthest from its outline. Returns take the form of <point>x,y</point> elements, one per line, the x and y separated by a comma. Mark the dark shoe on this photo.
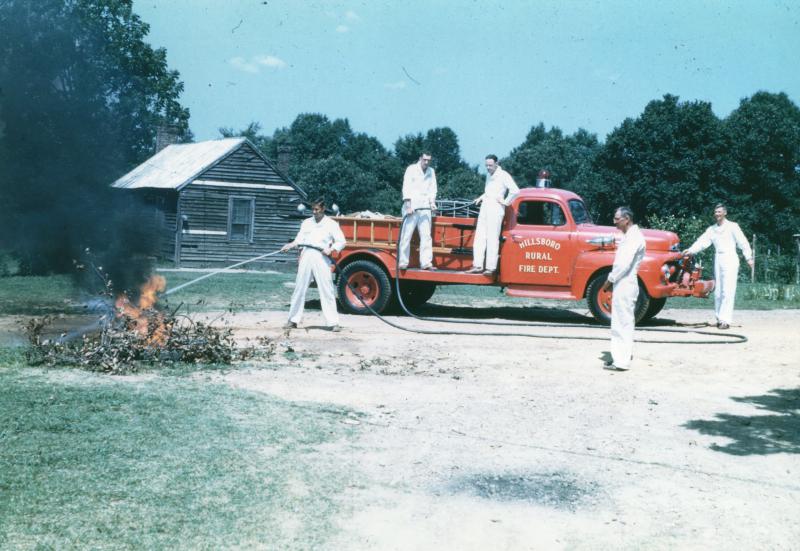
<point>336,328</point>
<point>723,325</point>
<point>290,325</point>
<point>474,270</point>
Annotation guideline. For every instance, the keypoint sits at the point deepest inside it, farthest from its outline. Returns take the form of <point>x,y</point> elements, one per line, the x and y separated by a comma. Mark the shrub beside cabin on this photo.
<point>216,202</point>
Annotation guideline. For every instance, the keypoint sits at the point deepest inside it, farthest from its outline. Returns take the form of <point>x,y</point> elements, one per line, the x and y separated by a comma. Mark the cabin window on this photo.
<point>540,213</point>
<point>241,212</point>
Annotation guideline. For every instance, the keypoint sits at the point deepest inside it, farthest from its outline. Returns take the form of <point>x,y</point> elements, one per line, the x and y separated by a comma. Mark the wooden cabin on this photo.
<point>216,203</point>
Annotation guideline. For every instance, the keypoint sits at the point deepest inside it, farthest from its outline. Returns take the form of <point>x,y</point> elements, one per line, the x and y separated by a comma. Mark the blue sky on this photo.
<point>489,70</point>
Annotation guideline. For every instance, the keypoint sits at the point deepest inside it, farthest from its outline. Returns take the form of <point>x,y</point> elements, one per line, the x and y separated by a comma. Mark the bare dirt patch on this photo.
<point>517,443</point>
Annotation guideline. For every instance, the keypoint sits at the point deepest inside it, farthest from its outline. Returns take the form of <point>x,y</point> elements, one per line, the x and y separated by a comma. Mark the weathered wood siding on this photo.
<point>206,239</point>
<point>244,165</point>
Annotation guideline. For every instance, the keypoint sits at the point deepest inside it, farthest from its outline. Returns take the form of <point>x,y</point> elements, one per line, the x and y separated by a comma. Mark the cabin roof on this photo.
<point>177,165</point>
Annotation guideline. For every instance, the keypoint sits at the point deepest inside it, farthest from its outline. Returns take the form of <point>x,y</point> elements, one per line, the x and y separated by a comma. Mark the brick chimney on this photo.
<point>166,135</point>
<point>284,157</point>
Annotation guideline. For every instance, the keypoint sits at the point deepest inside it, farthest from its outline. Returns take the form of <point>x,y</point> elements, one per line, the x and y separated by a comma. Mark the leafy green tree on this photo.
<point>675,157</point>
<point>563,156</point>
<point>765,138</point>
<point>82,96</point>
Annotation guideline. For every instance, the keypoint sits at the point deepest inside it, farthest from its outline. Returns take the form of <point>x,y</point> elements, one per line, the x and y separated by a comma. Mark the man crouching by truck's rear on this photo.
<point>319,236</point>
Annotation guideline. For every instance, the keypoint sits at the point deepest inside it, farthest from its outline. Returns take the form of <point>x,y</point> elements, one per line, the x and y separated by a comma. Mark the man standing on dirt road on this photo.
<point>500,190</point>
<point>419,206</point>
<point>319,236</point>
<point>625,284</point>
<point>725,236</point>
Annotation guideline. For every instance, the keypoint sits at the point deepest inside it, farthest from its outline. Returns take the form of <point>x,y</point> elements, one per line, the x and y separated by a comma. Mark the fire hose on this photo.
<point>731,338</point>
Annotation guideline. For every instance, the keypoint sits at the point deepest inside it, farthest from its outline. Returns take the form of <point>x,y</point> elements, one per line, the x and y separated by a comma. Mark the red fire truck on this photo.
<point>549,248</point>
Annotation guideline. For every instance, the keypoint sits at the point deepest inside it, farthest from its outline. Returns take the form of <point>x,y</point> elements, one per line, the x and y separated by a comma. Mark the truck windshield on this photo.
<point>579,212</point>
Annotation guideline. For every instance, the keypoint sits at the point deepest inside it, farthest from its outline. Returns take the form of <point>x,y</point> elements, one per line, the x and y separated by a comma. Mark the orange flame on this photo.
<point>148,323</point>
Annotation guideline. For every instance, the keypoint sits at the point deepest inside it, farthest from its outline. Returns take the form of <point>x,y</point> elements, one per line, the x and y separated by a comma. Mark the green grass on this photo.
<point>94,462</point>
<point>269,291</point>
<point>748,297</point>
<point>237,291</point>
<point>38,295</point>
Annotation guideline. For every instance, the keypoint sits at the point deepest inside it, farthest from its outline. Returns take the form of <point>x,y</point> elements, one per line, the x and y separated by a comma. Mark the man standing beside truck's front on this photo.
<point>725,236</point>
<point>625,283</point>
<point>498,193</point>
<point>419,206</point>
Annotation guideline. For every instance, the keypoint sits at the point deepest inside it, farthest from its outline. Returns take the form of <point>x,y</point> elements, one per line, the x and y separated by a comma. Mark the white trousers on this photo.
<point>623,304</point>
<point>487,235</point>
<point>726,272</point>
<point>314,264</point>
<point>418,219</point>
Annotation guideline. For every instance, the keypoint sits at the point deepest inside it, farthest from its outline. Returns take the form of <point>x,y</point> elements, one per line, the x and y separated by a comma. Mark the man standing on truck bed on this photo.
<point>725,236</point>
<point>625,283</point>
<point>319,236</point>
<point>419,205</point>
<point>500,190</point>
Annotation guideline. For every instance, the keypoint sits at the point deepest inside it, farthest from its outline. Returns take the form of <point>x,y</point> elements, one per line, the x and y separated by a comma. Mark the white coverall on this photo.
<point>323,234</point>
<point>490,219</point>
<point>725,237</point>
<point>419,192</point>
<point>630,253</point>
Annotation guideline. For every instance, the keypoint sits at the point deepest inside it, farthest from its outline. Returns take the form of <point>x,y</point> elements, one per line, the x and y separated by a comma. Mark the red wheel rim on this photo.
<point>364,284</point>
<point>604,301</point>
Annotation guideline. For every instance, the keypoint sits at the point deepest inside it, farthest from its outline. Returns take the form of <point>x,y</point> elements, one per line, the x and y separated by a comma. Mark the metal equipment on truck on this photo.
<point>549,248</point>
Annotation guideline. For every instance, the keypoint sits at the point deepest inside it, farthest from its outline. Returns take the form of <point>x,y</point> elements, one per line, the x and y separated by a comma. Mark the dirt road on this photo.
<point>519,443</point>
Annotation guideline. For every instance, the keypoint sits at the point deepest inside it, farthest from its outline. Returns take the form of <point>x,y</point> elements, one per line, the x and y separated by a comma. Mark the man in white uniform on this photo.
<point>419,205</point>
<point>725,236</point>
<point>625,283</point>
<point>498,193</point>
<point>319,236</point>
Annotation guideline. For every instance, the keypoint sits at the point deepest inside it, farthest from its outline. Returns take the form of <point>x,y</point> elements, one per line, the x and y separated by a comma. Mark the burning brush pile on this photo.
<point>133,333</point>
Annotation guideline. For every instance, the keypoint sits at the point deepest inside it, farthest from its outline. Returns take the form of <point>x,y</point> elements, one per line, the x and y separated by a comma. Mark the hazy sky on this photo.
<point>488,70</point>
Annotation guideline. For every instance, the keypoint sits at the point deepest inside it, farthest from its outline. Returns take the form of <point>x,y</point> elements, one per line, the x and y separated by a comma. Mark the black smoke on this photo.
<point>81,97</point>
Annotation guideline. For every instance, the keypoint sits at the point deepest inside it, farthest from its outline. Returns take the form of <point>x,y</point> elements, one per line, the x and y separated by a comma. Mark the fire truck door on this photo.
<point>538,248</point>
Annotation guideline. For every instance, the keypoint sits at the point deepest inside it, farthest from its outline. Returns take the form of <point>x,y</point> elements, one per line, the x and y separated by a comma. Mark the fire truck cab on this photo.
<point>549,248</point>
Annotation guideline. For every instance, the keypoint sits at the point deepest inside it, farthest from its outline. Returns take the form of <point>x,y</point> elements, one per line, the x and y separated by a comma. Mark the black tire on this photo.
<point>656,305</point>
<point>371,282</point>
<point>600,307</point>
<point>416,293</point>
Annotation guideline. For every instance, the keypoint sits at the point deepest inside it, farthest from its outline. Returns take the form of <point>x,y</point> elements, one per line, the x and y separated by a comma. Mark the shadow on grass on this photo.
<point>775,432</point>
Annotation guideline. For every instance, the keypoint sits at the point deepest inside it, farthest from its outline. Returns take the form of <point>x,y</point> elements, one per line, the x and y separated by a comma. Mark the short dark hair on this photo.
<point>626,212</point>
<point>319,201</point>
<point>721,206</point>
<point>491,156</point>
<point>425,152</point>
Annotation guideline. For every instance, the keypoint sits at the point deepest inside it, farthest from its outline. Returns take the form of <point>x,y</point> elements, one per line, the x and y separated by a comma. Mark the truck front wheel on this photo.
<point>656,305</point>
<point>600,301</point>
<point>365,279</point>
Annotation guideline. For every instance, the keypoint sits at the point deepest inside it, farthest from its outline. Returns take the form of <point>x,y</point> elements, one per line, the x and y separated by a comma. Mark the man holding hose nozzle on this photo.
<point>319,236</point>
<point>419,206</point>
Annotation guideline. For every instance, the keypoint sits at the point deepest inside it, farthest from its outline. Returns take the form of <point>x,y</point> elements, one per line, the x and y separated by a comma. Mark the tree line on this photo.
<point>82,94</point>
<point>674,161</point>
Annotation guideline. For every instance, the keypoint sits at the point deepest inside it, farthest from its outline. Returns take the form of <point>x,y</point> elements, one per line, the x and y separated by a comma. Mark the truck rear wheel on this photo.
<point>600,301</point>
<point>366,279</point>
